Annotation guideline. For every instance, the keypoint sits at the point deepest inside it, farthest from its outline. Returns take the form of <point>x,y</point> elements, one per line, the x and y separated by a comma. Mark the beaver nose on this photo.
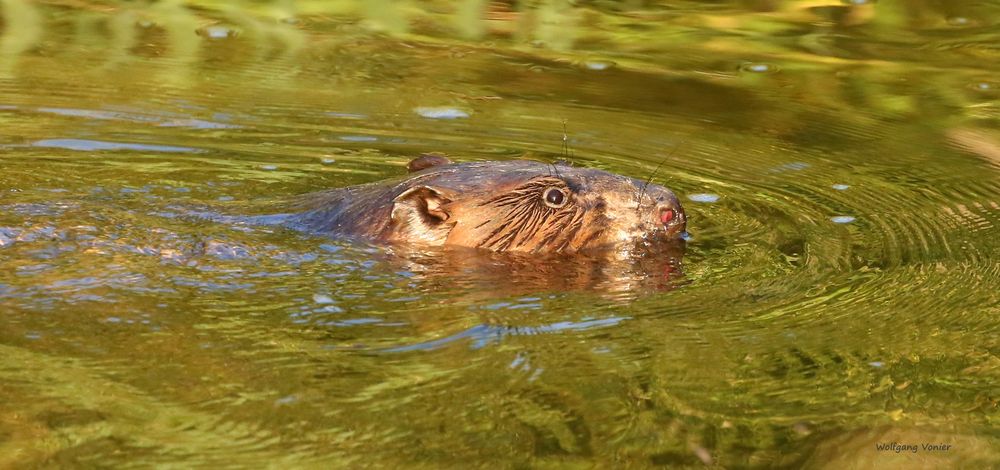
<point>672,217</point>
<point>667,215</point>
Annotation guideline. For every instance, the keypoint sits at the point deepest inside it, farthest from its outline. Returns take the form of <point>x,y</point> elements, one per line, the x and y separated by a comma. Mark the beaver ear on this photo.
<point>419,213</point>
<point>425,161</point>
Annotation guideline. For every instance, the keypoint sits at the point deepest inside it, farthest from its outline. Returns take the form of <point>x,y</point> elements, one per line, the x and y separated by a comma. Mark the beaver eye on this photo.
<point>555,198</point>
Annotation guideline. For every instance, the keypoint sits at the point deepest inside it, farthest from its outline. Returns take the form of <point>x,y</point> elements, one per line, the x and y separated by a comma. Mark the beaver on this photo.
<point>503,206</point>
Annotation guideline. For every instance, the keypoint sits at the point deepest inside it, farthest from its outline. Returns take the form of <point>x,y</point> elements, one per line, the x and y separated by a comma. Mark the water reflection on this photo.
<point>22,29</point>
<point>483,335</point>
<point>622,275</point>
<point>92,145</point>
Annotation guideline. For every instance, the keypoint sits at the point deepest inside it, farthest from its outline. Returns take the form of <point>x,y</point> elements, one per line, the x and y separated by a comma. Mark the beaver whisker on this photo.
<point>555,169</point>
<point>518,225</point>
<point>638,206</point>
<point>655,170</point>
<point>548,239</point>
<point>526,218</point>
<point>512,222</point>
<point>529,223</point>
<point>531,226</point>
<point>503,242</point>
<point>522,230</point>
<point>575,225</point>
<point>558,228</point>
<point>518,196</point>
<point>565,141</point>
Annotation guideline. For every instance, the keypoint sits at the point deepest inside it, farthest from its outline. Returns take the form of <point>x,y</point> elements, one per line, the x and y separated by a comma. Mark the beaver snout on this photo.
<point>672,218</point>
<point>667,211</point>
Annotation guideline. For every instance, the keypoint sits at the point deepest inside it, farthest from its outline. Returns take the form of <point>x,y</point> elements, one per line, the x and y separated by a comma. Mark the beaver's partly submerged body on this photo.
<point>521,206</point>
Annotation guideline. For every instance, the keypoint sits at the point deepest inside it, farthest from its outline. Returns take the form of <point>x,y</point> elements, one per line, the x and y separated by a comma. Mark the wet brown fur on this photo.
<point>498,206</point>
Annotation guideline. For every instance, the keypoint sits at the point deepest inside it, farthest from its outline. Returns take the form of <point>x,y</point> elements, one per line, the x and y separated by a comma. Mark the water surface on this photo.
<point>839,162</point>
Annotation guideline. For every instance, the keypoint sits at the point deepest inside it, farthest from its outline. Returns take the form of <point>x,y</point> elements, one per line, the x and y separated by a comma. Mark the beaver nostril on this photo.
<point>666,215</point>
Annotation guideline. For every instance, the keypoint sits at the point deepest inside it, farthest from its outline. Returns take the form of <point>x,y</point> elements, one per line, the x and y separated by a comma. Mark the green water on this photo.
<point>839,162</point>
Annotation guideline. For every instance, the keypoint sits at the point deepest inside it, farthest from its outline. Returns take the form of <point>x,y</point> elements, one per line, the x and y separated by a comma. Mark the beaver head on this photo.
<point>527,206</point>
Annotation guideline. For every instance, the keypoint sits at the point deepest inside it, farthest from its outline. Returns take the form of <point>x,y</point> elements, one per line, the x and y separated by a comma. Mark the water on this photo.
<point>839,162</point>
